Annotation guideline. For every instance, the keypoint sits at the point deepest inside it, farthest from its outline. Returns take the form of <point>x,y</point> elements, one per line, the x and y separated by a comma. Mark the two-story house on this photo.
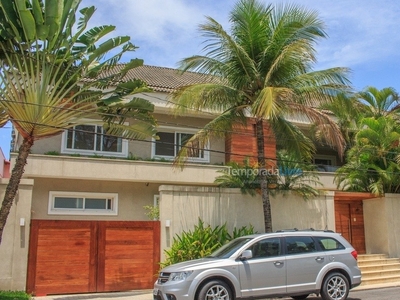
<point>79,223</point>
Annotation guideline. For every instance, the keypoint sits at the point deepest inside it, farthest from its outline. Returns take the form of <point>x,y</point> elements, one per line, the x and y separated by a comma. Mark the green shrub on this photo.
<point>152,212</point>
<point>14,295</point>
<point>52,153</point>
<point>200,242</point>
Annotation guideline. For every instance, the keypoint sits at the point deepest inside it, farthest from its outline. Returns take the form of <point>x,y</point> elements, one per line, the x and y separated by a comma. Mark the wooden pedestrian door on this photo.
<point>349,218</point>
<point>92,256</point>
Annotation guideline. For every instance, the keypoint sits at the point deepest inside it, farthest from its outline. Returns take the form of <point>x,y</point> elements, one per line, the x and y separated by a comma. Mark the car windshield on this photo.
<point>227,250</point>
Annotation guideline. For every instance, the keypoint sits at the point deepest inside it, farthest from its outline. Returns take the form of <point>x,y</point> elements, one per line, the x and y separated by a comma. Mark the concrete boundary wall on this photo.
<point>15,243</point>
<point>182,206</point>
<point>382,223</point>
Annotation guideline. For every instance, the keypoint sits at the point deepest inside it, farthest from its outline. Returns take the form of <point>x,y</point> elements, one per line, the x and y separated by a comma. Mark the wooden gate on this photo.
<point>349,218</point>
<point>92,256</point>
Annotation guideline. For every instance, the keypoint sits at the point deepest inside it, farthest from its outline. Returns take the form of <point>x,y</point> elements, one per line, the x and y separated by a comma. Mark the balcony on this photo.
<point>85,168</point>
<point>66,167</point>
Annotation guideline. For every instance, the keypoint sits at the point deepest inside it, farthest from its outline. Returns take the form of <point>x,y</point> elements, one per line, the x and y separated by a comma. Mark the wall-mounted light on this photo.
<point>167,223</point>
<point>22,222</point>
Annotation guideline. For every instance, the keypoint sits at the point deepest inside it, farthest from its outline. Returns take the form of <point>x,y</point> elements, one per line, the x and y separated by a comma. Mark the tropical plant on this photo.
<point>243,176</point>
<point>296,175</point>
<point>377,103</point>
<point>292,174</point>
<point>264,69</point>
<point>54,73</point>
<point>373,162</point>
<point>346,109</point>
<point>200,242</point>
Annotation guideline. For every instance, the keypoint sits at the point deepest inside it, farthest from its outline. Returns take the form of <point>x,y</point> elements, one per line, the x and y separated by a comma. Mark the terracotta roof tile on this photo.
<point>162,79</point>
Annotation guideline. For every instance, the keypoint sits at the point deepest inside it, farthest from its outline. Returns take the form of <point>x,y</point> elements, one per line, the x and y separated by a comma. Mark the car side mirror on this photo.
<point>246,254</point>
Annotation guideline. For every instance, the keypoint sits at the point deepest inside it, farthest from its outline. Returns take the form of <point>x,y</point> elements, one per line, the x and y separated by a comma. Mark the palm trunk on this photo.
<point>13,183</point>
<point>263,175</point>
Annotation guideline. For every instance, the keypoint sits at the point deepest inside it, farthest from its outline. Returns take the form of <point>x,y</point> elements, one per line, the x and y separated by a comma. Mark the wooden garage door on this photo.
<point>92,256</point>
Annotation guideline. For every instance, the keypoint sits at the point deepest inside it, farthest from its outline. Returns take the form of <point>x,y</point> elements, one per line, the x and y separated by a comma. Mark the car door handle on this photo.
<point>278,263</point>
<point>319,258</point>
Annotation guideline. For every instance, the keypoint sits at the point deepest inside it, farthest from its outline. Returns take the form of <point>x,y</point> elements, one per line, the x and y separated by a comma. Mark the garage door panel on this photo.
<point>127,255</point>
<point>121,254</point>
<point>59,257</point>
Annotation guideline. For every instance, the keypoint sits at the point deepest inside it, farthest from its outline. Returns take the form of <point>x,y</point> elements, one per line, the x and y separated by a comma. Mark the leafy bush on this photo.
<point>200,242</point>
<point>152,212</point>
<point>14,295</point>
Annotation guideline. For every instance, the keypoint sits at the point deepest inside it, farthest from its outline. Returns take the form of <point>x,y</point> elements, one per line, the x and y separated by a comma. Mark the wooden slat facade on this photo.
<point>242,142</point>
<point>92,256</point>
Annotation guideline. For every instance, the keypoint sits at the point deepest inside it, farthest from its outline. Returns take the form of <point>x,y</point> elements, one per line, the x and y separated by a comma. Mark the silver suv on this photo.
<point>292,263</point>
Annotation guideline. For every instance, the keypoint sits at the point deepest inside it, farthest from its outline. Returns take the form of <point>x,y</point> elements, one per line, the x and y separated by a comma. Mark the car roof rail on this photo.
<point>307,229</point>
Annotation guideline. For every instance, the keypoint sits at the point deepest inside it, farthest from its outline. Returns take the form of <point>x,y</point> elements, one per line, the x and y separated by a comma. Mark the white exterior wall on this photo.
<point>292,211</point>
<point>15,241</point>
<point>382,223</point>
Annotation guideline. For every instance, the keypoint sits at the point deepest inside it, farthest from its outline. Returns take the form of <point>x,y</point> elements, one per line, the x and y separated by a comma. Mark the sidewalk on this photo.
<point>132,295</point>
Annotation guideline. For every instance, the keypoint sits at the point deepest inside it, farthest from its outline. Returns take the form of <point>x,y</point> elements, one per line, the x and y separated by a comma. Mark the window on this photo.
<point>266,248</point>
<point>329,244</point>
<point>325,163</point>
<point>170,143</point>
<point>69,203</point>
<point>90,139</point>
<point>300,244</point>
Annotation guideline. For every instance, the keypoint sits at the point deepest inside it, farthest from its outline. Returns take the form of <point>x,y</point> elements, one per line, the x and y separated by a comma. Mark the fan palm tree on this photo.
<point>264,67</point>
<point>52,78</point>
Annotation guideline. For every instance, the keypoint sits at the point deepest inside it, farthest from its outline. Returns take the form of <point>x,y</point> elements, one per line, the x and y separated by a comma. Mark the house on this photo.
<point>79,222</point>
<point>4,166</point>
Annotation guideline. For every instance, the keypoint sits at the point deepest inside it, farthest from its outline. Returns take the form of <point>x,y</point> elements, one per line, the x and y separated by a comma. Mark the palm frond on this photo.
<point>212,97</point>
<point>218,127</point>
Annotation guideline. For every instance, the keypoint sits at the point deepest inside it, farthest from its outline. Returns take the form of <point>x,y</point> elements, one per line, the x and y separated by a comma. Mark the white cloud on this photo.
<point>359,31</point>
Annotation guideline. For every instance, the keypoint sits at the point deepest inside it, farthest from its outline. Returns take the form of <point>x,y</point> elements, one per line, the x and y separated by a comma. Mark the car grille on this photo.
<point>163,277</point>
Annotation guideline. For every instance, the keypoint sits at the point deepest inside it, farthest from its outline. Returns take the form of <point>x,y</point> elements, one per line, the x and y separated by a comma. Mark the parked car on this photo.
<point>292,263</point>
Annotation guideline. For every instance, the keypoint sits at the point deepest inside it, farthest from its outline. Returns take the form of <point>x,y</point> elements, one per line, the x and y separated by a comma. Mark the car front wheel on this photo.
<point>335,287</point>
<point>215,290</point>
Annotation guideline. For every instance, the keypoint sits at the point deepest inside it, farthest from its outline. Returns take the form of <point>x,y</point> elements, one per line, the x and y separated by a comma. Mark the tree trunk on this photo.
<point>13,183</point>
<point>263,175</point>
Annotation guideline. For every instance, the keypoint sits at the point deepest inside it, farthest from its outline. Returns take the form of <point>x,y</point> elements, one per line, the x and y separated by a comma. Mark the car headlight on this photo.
<point>179,276</point>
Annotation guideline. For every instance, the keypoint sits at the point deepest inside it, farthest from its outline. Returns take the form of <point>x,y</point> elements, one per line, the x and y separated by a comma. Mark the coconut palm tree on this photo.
<point>264,66</point>
<point>52,78</point>
<point>346,109</point>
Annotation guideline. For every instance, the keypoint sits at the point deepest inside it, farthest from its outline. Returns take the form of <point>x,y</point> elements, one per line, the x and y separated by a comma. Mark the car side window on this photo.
<point>266,248</point>
<point>329,244</point>
<point>300,244</point>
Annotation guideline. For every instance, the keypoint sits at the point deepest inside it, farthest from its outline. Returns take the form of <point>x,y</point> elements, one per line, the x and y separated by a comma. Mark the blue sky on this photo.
<point>362,34</point>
